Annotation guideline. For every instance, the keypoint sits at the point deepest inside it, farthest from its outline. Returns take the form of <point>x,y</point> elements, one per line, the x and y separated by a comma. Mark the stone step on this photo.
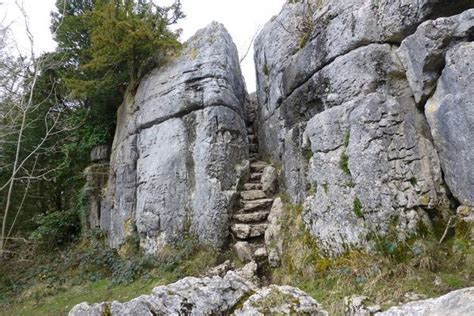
<point>252,195</point>
<point>253,148</point>
<point>254,217</point>
<point>258,166</point>
<point>256,176</point>
<point>246,231</point>
<point>260,255</point>
<point>255,205</point>
<point>252,186</point>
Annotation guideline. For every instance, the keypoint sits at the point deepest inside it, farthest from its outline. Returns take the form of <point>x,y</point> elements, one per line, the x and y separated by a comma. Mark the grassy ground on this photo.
<point>39,282</point>
<point>426,268</point>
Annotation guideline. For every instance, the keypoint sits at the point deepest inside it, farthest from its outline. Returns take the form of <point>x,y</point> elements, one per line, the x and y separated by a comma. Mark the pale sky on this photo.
<point>242,18</point>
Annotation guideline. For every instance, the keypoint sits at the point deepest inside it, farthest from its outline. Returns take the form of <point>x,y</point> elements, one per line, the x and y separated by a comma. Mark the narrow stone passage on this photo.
<point>250,221</point>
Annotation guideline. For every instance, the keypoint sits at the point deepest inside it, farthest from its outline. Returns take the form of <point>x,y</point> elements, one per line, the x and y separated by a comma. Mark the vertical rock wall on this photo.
<point>180,149</point>
<point>342,87</point>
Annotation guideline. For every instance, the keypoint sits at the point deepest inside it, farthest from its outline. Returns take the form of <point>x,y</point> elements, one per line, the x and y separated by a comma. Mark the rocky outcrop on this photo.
<point>374,169</point>
<point>232,294</point>
<point>450,113</point>
<point>280,300</point>
<point>340,84</point>
<point>459,302</point>
<point>180,149</point>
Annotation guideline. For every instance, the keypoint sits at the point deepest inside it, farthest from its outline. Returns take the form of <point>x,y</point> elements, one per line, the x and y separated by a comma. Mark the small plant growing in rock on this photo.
<point>358,208</point>
<point>265,69</point>
<point>344,164</point>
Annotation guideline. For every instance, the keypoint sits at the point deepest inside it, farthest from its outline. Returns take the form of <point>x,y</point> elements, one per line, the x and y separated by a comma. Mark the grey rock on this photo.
<point>341,26</point>
<point>243,251</point>
<point>245,231</point>
<point>250,206</point>
<point>251,217</point>
<point>423,53</point>
<point>260,254</point>
<point>220,270</point>
<point>274,235</point>
<point>456,303</point>
<point>357,306</point>
<point>180,149</point>
<point>100,153</point>
<point>96,177</point>
<point>280,300</point>
<point>252,194</point>
<point>190,296</point>
<point>450,113</point>
<point>269,180</point>
<point>374,170</point>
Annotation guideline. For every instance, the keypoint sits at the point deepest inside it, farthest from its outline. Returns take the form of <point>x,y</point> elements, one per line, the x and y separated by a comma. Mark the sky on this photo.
<point>242,18</point>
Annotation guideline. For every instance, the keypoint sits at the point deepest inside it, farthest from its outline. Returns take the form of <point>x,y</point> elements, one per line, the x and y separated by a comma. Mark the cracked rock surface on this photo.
<point>340,109</point>
<point>180,148</point>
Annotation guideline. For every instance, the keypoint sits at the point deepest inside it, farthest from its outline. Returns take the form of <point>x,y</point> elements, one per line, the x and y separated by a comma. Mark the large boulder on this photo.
<point>457,303</point>
<point>423,53</point>
<point>189,296</point>
<point>232,294</point>
<point>450,113</point>
<point>280,300</point>
<point>180,148</point>
<point>374,170</point>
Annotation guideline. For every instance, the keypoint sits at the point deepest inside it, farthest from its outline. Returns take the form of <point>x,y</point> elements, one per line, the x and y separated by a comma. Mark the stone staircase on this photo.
<point>250,221</point>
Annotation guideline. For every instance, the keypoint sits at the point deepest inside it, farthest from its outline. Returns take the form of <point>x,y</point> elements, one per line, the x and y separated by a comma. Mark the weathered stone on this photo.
<point>460,302</point>
<point>341,26</point>
<point>260,254</point>
<point>96,178</point>
<point>450,113</point>
<point>180,149</point>
<point>190,296</point>
<point>269,180</point>
<point>357,306</point>
<point>100,153</point>
<point>243,251</point>
<point>374,170</point>
<point>245,231</point>
<point>252,186</point>
<point>252,195</point>
<point>258,166</point>
<point>255,205</point>
<point>273,234</point>
<point>280,300</point>
<point>220,270</point>
<point>423,53</point>
<point>251,217</point>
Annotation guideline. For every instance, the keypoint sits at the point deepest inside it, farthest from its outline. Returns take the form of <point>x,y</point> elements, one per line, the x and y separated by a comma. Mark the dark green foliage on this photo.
<point>344,163</point>
<point>56,228</point>
<point>265,70</point>
<point>357,208</point>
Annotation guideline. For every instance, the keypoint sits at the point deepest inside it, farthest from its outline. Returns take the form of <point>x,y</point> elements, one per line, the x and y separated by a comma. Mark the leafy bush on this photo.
<point>56,228</point>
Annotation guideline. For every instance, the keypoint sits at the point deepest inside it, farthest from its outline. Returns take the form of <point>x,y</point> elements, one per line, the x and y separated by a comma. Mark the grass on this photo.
<point>94,292</point>
<point>50,283</point>
<point>384,277</point>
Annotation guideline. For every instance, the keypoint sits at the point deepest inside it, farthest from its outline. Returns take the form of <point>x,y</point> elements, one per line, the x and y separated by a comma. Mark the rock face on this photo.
<point>180,149</point>
<point>340,87</point>
<point>232,294</point>
<point>459,302</point>
<point>450,113</point>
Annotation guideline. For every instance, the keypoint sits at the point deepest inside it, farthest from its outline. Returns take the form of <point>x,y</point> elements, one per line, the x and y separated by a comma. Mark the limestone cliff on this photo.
<point>180,149</point>
<point>342,86</point>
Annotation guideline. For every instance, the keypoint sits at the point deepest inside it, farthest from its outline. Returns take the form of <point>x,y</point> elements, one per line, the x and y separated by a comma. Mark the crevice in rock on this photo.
<point>180,114</point>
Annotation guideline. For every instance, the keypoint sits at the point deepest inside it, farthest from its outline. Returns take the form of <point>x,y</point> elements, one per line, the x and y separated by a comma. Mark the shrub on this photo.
<point>56,228</point>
